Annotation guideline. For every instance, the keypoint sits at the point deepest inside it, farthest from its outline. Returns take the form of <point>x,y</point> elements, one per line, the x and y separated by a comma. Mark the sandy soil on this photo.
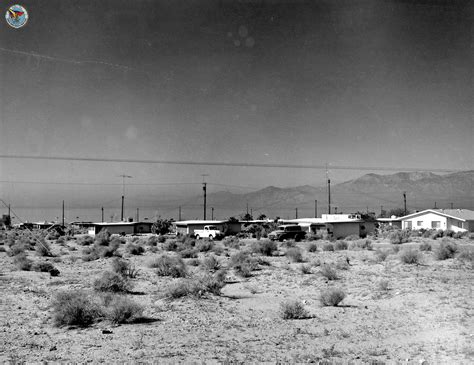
<point>425,315</point>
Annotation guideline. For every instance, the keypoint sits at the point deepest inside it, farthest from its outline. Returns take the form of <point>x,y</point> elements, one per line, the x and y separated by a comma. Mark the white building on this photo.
<point>457,220</point>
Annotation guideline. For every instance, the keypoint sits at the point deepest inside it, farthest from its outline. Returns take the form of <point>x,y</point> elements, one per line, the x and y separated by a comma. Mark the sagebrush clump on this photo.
<point>74,308</point>
<point>265,247</point>
<point>112,282</point>
<point>329,272</point>
<point>294,254</point>
<point>410,256</point>
<point>446,250</point>
<point>332,297</point>
<point>173,266</point>
<point>123,310</point>
<point>293,309</point>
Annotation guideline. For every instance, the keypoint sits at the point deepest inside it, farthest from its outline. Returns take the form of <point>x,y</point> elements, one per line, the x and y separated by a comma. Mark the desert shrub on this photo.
<point>85,240</point>
<point>117,241</point>
<point>381,255</point>
<point>340,245</point>
<point>123,310</point>
<point>152,241</point>
<point>178,289</point>
<point>288,243</point>
<point>112,282</point>
<point>305,269</point>
<point>16,249</point>
<point>211,263</point>
<point>265,247</point>
<point>42,248</point>
<point>124,268</point>
<point>448,233</point>
<point>446,250</point>
<point>74,308</point>
<point>458,235</point>
<point>471,235</point>
<point>363,244</point>
<point>410,256</point>
<point>189,253</point>
<point>313,237</point>
<point>312,247</point>
<point>45,266</point>
<point>383,285</point>
<point>204,245</point>
<point>61,240</point>
<point>328,247</point>
<point>352,237</point>
<point>161,239</point>
<point>173,266</point>
<point>294,254</point>
<point>134,249</point>
<point>243,264</point>
<point>22,262</point>
<point>343,264</point>
<point>395,248</point>
<point>210,283</point>
<point>399,236</point>
<point>329,272</point>
<point>426,233</point>
<point>170,245</point>
<point>90,254</point>
<point>293,309</point>
<point>102,238</point>
<point>332,297</point>
<point>466,255</point>
<point>436,234</point>
<point>3,249</point>
<point>425,246</point>
<point>231,242</point>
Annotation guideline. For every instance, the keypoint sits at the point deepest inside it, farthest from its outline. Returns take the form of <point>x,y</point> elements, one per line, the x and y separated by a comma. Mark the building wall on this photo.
<point>341,230</point>
<point>116,229</point>
<point>425,221</point>
<point>142,228</point>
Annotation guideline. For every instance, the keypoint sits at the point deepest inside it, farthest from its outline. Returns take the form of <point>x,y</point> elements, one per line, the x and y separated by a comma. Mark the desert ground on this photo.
<point>392,312</point>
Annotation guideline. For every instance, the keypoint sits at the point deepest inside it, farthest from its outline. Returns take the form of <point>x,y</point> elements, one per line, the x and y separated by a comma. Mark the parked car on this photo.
<point>210,232</point>
<point>287,232</point>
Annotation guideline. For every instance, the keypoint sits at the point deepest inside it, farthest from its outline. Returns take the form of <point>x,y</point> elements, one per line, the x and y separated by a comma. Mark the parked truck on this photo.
<point>210,232</point>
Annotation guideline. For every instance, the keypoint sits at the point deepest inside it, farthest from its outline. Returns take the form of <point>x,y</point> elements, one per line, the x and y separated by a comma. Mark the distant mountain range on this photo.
<point>372,191</point>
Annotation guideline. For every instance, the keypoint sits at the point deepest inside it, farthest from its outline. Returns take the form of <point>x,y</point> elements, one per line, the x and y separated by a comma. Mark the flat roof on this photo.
<point>119,223</point>
<point>184,223</point>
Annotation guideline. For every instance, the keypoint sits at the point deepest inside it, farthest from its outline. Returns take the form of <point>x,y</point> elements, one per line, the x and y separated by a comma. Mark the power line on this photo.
<point>227,164</point>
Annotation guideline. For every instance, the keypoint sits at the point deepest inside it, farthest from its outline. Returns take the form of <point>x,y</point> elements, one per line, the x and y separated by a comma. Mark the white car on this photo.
<point>210,232</point>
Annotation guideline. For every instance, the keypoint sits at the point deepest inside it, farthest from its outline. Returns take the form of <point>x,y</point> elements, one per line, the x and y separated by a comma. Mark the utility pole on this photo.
<point>102,210</point>
<point>138,214</point>
<point>335,210</point>
<point>315,209</point>
<point>405,202</point>
<point>296,213</point>
<point>381,210</point>
<point>247,208</point>
<point>329,190</point>
<point>123,176</point>
<point>251,212</point>
<point>179,213</point>
<point>63,213</point>
<point>212,213</point>
<point>204,189</point>
<point>435,206</point>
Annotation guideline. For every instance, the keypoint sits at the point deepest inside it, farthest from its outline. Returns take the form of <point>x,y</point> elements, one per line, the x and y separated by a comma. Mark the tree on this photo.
<point>262,217</point>
<point>247,217</point>
<point>397,212</point>
<point>162,226</point>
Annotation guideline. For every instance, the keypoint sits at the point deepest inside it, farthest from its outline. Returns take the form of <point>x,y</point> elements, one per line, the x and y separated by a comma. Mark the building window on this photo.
<point>435,224</point>
<point>419,223</point>
<point>409,225</point>
<point>459,224</point>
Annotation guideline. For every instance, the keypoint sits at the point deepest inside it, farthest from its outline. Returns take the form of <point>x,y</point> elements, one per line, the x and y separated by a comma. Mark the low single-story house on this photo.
<point>336,225</point>
<point>393,221</point>
<point>188,227</point>
<point>457,220</point>
<point>122,227</point>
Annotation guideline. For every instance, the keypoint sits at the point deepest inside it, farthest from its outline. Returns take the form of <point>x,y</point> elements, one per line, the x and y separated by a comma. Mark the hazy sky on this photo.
<point>357,83</point>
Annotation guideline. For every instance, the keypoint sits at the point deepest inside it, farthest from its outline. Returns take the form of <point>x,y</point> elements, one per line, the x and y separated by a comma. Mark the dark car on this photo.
<point>287,232</point>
